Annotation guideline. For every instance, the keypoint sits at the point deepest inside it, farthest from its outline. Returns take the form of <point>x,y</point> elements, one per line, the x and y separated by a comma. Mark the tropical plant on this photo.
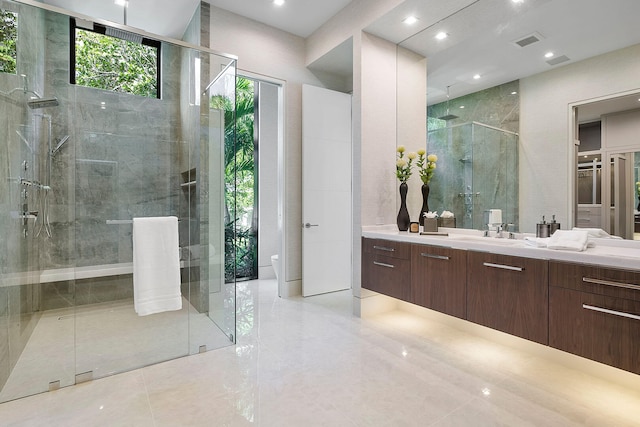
<point>8,40</point>
<point>110,63</point>
<point>240,185</point>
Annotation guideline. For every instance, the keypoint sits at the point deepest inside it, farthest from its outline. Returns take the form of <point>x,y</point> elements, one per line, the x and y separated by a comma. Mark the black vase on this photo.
<point>425,202</point>
<point>403,214</point>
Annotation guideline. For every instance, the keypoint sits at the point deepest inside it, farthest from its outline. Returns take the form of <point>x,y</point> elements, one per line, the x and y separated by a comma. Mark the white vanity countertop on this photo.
<point>606,252</point>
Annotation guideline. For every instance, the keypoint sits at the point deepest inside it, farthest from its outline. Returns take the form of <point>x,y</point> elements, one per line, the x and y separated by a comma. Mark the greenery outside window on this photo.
<point>8,41</point>
<point>116,60</point>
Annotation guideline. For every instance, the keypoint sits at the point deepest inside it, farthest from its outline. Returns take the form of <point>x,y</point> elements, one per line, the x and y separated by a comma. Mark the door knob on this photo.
<point>307,225</point>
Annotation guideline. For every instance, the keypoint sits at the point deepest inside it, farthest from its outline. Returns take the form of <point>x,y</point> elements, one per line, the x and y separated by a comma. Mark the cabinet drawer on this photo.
<point>387,275</point>
<point>598,327</point>
<point>617,283</point>
<point>387,248</point>
<point>439,279</point>
<point>510,294</point>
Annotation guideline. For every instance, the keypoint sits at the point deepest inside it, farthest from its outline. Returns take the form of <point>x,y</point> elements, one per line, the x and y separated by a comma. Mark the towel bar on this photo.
<point>128,221</point>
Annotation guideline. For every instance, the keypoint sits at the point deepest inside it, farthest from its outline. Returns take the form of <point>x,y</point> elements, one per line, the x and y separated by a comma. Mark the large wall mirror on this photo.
<point>476,46</point>
<point>607,192</point>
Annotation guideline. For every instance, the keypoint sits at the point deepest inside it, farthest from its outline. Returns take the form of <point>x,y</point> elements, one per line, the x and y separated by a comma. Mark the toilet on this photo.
<point>275,264</point>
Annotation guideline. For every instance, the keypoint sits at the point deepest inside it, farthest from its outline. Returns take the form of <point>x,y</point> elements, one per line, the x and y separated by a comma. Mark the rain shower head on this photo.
<point>37,103</point>
<point>448,116</point>
<point>124,35</point>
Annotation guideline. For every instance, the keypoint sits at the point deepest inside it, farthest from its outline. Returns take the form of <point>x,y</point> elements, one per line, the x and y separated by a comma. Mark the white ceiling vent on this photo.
<point>527,40</point>
<point>558,60</point>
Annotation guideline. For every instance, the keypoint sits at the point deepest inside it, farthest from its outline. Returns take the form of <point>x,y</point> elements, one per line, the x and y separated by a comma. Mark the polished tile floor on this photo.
<point>309,362</point>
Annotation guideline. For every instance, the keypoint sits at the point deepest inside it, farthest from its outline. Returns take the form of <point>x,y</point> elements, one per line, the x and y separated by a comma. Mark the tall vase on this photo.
<point>403,214</point>
<point>425,202</point>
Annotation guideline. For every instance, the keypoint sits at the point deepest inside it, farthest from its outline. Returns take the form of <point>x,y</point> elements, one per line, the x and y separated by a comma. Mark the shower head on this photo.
<point>37,103</point>
<point>448,116</point>
<point>124,35</point>
<point>61,142</point>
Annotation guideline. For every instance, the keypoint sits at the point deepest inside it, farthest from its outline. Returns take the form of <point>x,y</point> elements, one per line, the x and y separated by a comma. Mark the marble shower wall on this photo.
<point>477,165</point>
<point>19,293</point>
<point>118,163</point>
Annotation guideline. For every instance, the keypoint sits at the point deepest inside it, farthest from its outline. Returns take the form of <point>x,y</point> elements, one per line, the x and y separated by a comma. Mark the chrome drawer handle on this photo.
<point>610,283</point>
<point>435,256</point>
<point>382,264</point>
<point>504,267</point>
<point>382,248</point>
<point>615,313</point>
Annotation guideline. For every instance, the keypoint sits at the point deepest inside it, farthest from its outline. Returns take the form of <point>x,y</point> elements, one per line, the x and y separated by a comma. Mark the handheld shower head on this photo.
<point>37,103</point>
<point>59,144</point>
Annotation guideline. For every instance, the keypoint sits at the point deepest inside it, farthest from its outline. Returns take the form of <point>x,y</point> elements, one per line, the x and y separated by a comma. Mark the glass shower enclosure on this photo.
<point>77,165</point>
<point>477,171</point>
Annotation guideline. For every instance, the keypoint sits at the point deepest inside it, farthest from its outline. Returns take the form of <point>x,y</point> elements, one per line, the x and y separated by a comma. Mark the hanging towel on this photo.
<point>156,265</point>
<point>569,240</point>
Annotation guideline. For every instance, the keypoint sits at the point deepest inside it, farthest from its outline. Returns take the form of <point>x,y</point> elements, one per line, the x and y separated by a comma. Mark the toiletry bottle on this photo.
<point>543,229</point>
<point>554,225</point>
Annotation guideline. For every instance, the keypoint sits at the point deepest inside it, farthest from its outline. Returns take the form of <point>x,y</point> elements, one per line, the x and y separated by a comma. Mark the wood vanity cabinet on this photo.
<point>386,267</point>
<point>594,312</point>
<point>510,294</point>
<point>439,279</point>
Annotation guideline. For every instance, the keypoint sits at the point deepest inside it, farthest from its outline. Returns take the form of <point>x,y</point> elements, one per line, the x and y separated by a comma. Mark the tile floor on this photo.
<point>309,362</point>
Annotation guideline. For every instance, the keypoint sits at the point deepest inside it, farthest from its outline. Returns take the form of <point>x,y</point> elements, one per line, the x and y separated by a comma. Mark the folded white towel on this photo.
<point>569,240</point>
<point>156,265</point>
<point>598,233</point>
<point>537,242</point>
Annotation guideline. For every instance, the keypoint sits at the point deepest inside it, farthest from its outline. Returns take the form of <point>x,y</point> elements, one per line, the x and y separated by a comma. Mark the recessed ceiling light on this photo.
<point>442,35</point>
<point>462,106</point>
<point>476,77</point>
<point>548,55</point>
<point>514,93</point>
<point>410,20</point>
<point>121,2</point>
<point>278,2</point>
<point>518,1</point>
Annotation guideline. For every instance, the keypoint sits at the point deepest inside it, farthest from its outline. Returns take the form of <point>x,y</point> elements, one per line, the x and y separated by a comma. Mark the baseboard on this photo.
<point>291,289</point>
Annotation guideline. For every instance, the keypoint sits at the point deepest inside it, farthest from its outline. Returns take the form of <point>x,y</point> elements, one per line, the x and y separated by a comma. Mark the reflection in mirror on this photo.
<point>607,166</point>
<point>503,41</point>
<point>477,148</point>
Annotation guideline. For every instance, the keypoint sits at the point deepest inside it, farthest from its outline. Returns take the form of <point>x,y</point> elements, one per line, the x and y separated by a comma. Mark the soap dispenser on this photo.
<point>554,226</point>
<point>543,229</point>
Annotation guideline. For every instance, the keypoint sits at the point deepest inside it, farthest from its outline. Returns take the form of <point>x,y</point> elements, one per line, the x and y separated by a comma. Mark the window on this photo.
<point>113,59</point>
<point>8,41</point>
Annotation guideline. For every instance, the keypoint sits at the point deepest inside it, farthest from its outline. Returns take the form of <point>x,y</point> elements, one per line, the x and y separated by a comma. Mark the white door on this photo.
<point>326,191</point>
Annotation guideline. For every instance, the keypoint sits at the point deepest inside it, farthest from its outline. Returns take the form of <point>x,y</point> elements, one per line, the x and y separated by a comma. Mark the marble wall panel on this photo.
<point>477,166</point>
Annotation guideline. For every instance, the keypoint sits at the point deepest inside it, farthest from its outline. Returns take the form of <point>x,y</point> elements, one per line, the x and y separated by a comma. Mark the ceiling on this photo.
<point>171,22</point>
<point>482,33</point>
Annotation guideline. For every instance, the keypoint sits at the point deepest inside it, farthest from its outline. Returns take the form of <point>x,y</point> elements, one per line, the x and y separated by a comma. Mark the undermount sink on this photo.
<point>488,240</point>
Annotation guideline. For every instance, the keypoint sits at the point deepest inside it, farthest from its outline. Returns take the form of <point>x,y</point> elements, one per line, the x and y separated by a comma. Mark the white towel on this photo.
<point>569,240</point>
<point>156,265</point>
<point>598,233</point>
<point>537,242</point>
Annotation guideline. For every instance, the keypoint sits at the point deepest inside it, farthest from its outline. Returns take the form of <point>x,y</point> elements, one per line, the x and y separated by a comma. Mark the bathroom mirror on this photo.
<point>487,43</point>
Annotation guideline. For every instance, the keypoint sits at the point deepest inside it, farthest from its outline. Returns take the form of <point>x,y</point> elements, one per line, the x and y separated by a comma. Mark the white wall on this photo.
<point>275,54</point>
<point>545,187</point>
<point>267,177</point>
